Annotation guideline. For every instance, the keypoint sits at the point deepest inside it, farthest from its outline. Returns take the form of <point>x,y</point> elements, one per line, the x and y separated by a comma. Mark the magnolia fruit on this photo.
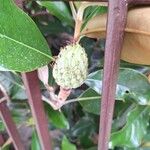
<point>71,66</point>
<point>136,46</point>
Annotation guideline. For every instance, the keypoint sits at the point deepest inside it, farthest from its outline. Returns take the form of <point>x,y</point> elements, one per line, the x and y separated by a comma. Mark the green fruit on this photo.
<point>71,66</point>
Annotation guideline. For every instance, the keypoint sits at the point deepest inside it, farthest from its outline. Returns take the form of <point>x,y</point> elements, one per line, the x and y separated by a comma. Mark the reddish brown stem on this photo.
<point>2,141</point>
<point>64,94</point>
<point>139,2</point>
<point>115,33</point>
<point>19,3</point>
<point>41,13</point>
<point>10,125</point>
<point>30,80</point>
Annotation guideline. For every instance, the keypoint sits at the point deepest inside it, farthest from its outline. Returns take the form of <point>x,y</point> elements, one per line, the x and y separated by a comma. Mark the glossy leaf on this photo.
<point>146,140</point>
<point>92,12</point>
<point>84,130</point>
<point>132,85</point>
<point>13,85</point>
<point>58,9</point>
<point>18,93</point>
<point>22,46</point>
<point>145,143</point>
<point>120,114</point>
<point>66,145</point>
<point>57,118</point>
<point>6,80</point>
<point>121,107</point>
<point>35,145</point>
<point>92,101</point>
<point>83,126</point>
<point>134,130</point>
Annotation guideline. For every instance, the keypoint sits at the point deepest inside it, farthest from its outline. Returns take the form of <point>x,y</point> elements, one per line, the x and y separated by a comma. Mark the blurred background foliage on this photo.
<point>75,127</point>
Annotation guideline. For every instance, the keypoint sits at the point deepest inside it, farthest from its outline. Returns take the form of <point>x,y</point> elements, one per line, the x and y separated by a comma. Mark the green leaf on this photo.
<point>84,130</point>
<point>120,114</point>
<point>92,148</point>
<point>58,9</point>
<point>91,12</point>
<point>91,101</point>
<point>145,143</point>
<point>83,126</point>
<point>134,130</point>
<point>56,118</point>
<point>51,28</point>
<point>88,45</point>
<point>13,85</point>
<point>7,147</point>
<point>132,85</point>
<point>137,148</point>
<point>6,80</point>
<point>35,145</point>
<point>66,145</point>
<point>2,126</point>
<point>18,93</point>
<point>22,46</point>
<point>18,117</point>
<point>121,107</point>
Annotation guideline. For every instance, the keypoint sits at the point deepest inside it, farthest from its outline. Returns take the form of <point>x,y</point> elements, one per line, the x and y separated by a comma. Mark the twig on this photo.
<point>82,99</point>
<point>57,104</point>
<point>41,13</point>
<point>5,94</point>
<point>74,13</point>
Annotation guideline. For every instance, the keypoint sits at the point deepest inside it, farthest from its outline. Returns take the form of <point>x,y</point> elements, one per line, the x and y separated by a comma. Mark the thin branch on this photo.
<point>74,13</point>
<point>5,94</point>
<point>82,99</point>
<point>41,13</point>
<point>57,104</point>
<point>8,142</point>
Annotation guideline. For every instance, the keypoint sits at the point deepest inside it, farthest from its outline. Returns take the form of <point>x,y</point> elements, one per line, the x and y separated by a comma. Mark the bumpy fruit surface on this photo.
<point>70,69</point>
